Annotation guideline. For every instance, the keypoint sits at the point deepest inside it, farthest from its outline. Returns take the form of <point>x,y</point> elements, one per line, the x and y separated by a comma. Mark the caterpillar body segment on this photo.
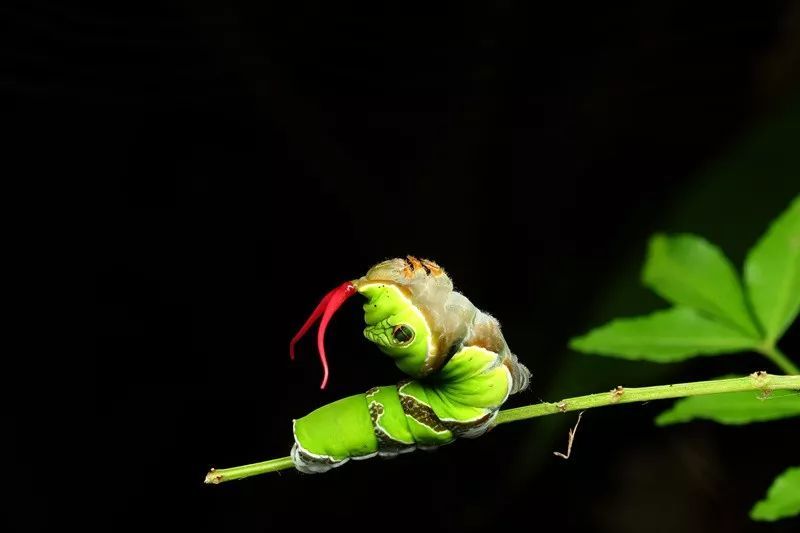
<point>390,420</point>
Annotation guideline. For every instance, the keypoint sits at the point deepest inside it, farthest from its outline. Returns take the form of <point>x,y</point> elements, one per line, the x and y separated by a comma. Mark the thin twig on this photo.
<point>571,439</point>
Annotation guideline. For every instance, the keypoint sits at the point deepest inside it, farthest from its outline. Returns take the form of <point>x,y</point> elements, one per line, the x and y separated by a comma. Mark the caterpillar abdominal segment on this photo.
<point>390,420</point>
<point>388,445</point>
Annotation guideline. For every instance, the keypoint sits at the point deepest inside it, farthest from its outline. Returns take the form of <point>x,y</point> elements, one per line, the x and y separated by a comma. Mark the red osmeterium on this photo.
<point>338,296</point>
<point>310,322</point>
<point>327,307</point>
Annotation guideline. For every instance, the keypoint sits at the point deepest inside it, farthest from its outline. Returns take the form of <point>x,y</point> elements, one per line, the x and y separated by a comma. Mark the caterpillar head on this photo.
<point>412,314</point>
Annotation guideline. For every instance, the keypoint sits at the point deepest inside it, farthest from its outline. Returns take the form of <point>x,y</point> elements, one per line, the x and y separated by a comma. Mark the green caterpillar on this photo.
<point>461,366</point>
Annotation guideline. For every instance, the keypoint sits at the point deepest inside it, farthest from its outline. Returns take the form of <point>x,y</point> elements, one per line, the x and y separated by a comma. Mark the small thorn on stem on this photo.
<point>571,439</point>
<point>760,379</point>
<point>617,393</point>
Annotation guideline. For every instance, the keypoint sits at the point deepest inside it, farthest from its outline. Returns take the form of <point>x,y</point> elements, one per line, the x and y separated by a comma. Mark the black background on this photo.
<point>224,164</point>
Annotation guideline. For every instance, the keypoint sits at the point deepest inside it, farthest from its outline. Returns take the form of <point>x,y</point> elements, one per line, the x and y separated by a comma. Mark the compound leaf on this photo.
<point>772,273</point>
<point>689,271</point>
<point>783,498</point>
<point>664,336</point>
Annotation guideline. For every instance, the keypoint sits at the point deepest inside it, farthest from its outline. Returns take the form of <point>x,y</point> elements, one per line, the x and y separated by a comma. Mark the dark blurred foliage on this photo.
<point>218,166</point>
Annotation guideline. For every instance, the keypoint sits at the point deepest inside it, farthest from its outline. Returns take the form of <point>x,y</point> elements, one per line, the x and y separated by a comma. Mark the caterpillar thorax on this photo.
<point>453,321</point>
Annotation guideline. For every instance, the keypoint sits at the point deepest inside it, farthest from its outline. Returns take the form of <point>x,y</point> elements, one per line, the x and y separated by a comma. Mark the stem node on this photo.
<point>616,393</point>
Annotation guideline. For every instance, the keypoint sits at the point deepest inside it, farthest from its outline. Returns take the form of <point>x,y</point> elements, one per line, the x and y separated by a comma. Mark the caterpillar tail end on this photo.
<point>309,463</point>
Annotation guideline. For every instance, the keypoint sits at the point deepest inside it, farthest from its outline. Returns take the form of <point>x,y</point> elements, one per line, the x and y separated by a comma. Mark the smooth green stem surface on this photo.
<point>780,360</point>
<point>240,472</point>
<point>757,381</point>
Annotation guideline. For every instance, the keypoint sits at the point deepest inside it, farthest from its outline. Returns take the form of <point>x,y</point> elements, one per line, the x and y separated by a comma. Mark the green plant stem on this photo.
<point>781,361</point>
<point>757,381</point>
<point>240,472</point>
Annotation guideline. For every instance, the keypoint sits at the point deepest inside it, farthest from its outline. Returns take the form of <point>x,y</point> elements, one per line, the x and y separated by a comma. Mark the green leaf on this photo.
<point>734,408</point>
<point>664,336</point>
<point>690,271</point>
<point>772,273</point>
<point>783,498</point>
